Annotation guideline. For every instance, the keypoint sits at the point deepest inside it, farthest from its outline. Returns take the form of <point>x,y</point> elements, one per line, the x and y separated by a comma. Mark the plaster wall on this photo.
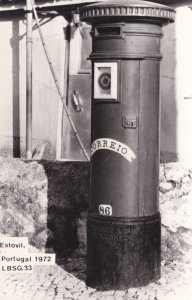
<point>46,102</point>
<point>176,86</point>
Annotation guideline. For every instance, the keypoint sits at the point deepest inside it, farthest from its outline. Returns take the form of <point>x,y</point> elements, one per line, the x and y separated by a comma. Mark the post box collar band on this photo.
<point>127,9</point>
<point>124,220</point>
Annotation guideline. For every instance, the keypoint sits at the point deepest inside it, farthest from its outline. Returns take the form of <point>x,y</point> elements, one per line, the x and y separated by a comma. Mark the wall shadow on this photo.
<point>168,121</point>
<point>68,197</point>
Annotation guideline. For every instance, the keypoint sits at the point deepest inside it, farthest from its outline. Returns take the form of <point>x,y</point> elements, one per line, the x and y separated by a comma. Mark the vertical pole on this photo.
<point>29,18</point>
<point>65,142</point>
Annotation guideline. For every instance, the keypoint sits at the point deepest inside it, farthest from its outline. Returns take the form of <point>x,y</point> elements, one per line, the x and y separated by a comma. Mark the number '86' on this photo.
<point>105,210</point>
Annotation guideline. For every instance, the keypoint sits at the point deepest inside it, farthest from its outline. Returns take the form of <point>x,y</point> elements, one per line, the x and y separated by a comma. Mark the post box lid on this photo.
<point>127,9</point>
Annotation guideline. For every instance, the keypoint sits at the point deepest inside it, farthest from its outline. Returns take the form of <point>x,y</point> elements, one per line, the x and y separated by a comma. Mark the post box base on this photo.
<point>123,252</point>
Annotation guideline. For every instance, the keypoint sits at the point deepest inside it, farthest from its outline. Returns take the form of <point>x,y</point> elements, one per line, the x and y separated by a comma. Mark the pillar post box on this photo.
<point>124,227</point>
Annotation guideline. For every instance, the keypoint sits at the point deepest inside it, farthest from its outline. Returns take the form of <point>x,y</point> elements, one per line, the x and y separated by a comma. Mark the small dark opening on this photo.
<point>100,31</point>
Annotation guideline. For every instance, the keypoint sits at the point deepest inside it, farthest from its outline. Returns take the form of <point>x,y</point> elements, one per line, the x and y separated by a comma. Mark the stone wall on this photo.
<point>176,210</point>
<point>44,201</point>
<point>47,201</point>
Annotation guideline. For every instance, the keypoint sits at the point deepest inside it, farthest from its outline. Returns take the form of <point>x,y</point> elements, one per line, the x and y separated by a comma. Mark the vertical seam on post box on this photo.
<point>138,163</point>
<point>141,203</point>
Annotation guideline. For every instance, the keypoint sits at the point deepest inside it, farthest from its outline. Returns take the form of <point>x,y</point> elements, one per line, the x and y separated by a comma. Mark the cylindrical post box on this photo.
<point>124,227</point>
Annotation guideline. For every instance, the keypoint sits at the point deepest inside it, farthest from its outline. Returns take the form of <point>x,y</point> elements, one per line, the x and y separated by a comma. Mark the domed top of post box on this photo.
<point>127,10</point>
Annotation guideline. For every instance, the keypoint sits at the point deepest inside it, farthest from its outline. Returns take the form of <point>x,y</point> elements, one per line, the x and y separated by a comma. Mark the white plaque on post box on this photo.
<point>105,81</point>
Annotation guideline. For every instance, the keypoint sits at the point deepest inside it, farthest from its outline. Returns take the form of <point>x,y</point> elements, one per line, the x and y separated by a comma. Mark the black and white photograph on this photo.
<point>95,150</point>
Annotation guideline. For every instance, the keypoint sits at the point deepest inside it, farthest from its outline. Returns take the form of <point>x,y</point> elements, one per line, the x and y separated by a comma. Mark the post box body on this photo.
<point>124,234</point>
<point>130,186</point>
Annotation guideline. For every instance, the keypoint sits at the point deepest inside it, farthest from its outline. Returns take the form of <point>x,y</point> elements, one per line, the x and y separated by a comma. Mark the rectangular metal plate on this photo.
<point>129,122</point>
<point>105,81</point>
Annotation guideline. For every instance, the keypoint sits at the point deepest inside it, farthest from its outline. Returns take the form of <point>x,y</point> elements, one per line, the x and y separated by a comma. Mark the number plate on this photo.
<point>105,210</point>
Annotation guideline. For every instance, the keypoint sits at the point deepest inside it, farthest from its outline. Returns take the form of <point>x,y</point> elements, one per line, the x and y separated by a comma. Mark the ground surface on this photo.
<point>66,280</point>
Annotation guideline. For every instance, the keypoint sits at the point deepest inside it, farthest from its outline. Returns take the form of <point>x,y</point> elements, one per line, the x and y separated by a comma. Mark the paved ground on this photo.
<point>66,280</point>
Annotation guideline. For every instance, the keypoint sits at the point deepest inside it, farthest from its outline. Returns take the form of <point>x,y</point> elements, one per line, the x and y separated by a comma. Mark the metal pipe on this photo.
<point>29,19</point>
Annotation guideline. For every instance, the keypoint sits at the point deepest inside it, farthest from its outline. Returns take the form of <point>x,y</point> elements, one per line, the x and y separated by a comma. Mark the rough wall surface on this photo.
<point>47,201</point>
<point>43,200</point>
<point>176,206</point>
